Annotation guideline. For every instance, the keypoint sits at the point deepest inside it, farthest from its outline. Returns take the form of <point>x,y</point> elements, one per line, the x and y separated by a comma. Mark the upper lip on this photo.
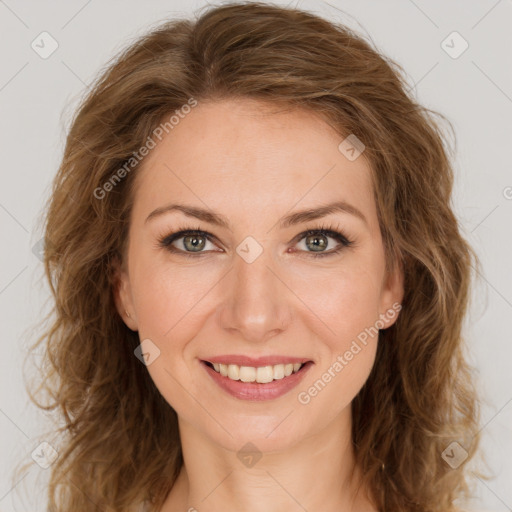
<point>241,360</point>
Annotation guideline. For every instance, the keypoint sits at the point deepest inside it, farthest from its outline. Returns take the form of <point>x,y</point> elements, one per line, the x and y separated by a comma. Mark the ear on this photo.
<point>123,295</point>
<point>392,295</point>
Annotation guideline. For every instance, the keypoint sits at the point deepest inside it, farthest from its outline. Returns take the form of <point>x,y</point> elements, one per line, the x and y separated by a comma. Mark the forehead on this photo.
<point>245,155</point>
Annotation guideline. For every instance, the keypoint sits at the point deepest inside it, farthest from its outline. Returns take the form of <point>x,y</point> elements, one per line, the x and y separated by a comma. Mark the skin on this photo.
<point>255,164</point>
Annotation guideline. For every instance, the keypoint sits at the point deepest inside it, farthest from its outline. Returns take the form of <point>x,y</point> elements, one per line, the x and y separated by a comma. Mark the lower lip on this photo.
<point>254,390</point>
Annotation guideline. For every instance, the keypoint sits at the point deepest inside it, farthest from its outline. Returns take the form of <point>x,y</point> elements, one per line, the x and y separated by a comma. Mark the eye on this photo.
<point>189,242</point>
<point>316,242</point>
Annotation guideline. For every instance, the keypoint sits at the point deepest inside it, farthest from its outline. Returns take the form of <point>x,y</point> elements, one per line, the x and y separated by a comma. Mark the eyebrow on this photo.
<point>287,221</point>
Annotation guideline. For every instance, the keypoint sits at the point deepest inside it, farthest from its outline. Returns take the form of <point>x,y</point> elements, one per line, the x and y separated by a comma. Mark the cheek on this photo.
<point>170,305</point>
<point>343,312</point>
<point>333,386</point>
<point>173,302</point>
<point>343,299</point>
<point>167,296</point>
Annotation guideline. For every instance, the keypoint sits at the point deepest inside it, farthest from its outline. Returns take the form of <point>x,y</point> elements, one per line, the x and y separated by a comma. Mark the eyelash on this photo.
<point>326,230</point>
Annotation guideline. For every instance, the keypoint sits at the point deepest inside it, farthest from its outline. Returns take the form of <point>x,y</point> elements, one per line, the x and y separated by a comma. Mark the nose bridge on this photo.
<point>255,304</point>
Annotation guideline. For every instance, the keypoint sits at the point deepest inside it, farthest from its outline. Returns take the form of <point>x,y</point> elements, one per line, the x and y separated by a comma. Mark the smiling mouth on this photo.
<point>257,375</point>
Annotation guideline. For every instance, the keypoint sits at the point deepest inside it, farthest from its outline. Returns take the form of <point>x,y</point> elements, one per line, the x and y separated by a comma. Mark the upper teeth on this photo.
<point>261,374</point>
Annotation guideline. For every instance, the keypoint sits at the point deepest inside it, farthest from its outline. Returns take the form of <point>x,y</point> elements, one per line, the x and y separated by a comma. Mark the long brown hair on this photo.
<point>420,396</point>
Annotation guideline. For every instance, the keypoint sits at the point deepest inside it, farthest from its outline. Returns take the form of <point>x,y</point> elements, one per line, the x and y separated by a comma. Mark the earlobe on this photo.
<point>123,296</point>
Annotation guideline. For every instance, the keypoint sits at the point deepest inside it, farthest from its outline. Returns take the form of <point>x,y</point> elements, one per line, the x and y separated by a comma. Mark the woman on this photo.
<point>259,280</point>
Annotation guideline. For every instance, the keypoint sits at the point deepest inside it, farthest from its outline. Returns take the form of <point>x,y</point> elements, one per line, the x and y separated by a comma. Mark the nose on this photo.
<point>256,305</point>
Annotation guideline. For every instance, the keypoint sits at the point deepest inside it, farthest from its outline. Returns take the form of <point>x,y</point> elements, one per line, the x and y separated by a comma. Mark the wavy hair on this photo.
<point>421,395</point>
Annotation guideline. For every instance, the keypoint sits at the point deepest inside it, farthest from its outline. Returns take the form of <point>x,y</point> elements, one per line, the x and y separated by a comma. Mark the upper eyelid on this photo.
<point>329,232</point>
<point>184,232</point>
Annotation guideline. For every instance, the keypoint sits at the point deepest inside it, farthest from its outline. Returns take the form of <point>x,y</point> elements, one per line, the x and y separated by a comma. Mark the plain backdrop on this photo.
<point>471,86</point>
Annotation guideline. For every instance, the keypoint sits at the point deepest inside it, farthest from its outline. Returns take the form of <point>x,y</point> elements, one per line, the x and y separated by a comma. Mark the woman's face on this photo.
<point>255,285</point>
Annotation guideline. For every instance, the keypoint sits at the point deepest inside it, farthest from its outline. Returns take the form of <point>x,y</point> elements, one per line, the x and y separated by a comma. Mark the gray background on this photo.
<point>474,90</point>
